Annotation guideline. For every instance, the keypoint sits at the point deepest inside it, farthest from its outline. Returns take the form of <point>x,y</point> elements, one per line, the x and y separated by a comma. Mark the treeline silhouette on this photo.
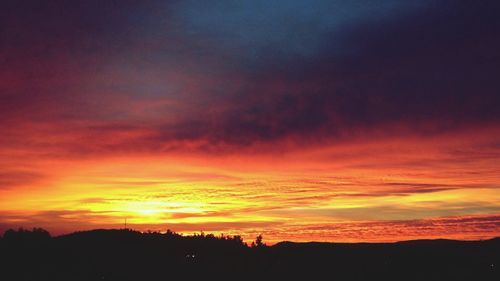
<point>124,254</point>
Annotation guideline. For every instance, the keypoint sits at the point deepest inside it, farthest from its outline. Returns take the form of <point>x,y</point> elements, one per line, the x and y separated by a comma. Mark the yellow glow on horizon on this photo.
<point>285,193</point>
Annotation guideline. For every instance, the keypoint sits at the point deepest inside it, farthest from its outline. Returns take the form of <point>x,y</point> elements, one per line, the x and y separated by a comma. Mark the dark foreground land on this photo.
<point>129,255</point>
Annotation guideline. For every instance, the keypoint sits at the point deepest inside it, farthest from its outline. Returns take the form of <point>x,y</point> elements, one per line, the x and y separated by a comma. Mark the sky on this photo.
<point>313,120</point>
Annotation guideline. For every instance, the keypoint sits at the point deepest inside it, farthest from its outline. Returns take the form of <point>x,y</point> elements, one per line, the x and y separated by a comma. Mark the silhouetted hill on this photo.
<point>131,255</point>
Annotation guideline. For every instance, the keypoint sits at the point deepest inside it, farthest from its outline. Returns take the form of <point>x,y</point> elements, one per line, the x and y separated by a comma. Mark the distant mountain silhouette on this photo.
<point>130,255</point>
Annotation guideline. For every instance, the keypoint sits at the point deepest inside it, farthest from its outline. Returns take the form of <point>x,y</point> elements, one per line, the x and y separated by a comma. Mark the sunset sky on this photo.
<point>301,120</point>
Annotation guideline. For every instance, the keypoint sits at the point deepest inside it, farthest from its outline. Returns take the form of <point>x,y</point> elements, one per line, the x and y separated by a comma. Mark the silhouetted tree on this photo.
<point>41,233</point>
<point>258,241</point>
<point>170,233</point>
<point>9,234</point>
<point>23,234</point>
<point>123,255</point>
<point>238,239</point>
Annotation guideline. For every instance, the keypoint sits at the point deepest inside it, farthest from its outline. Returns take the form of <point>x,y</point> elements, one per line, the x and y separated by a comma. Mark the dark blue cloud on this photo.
<point>432,71</point>
<point>253,71</point>
<point>288,28</point>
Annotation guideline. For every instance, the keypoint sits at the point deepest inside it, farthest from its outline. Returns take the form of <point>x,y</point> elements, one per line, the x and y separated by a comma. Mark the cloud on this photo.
<point>482,226</point>
<point>10,178</point>
<point>458,227</point>
<point>284,28</point>
<point>65,221</point>
<point>388,212</point>
<point>57,221</point>
<point>417,70</point>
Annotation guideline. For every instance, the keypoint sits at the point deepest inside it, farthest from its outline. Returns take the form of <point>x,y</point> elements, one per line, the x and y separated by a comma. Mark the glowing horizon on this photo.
<point>289,190</point>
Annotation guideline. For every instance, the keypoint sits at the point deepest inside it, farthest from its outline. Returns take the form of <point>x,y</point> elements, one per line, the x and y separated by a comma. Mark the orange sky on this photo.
<point>383,189</point>
<point>300,120</point>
